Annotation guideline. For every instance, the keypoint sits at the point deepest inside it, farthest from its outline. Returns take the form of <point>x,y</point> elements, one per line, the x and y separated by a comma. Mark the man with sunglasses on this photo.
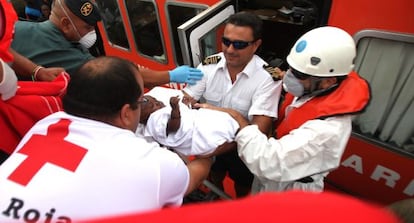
<point>236,78</point>
<point>315,120</point>
<point>87,162</point>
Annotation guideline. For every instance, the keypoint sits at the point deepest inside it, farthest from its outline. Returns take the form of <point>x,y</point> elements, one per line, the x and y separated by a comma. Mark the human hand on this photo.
<point>174,102</point>
<point>185,74</point>
<point>189,101</point>
<point>48,74</point>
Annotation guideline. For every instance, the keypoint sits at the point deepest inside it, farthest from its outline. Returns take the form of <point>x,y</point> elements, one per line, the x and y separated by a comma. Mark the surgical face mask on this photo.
<point>88,39</point>
<point>292,85</point>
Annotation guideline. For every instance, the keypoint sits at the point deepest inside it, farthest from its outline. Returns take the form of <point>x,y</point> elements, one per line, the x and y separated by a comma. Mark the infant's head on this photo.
<point>150,105</point>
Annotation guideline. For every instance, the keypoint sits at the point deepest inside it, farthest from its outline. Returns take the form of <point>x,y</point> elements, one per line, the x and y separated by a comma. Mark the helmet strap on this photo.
<point>314,91</point>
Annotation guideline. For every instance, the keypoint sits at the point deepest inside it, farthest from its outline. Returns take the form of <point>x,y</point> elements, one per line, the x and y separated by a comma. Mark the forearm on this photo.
<point>154,78</point>
<point>173,125</point>
<point>199,170</point>
<point>263,122</point>
<point>22,65</point>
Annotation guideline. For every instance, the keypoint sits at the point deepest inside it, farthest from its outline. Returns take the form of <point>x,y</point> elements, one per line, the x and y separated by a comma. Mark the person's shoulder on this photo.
<point>22,24</point>
<point>274,72</point>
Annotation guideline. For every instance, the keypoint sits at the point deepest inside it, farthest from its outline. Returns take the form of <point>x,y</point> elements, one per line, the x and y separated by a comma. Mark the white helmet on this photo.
<point>323,52</point>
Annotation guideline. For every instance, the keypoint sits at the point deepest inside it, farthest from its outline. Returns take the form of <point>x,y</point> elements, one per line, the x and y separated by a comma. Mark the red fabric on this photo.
<point>7,33</point>
<point>32,102</point>
<point>291,206</point>
<point>350,97</point>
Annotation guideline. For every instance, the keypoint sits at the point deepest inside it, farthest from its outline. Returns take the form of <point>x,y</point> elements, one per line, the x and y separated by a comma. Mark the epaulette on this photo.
<point>273,71</point>
<point>211,60</point>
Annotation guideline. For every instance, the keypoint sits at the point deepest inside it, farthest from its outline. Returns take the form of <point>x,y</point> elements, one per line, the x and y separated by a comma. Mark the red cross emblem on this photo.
<point>51,149</point>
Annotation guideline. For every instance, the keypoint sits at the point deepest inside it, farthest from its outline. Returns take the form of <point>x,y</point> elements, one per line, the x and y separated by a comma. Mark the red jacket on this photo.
<point>32,102</point>
<point>351,97</point>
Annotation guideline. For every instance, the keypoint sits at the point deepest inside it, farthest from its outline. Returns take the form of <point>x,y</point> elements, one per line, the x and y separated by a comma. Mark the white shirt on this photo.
<point>314,149</point>
<point>90,169</point>
<point>253,93</point>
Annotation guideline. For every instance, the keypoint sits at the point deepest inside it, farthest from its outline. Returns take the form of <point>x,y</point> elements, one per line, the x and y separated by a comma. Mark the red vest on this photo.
<point>8,20</point>
<point>32,102</point>
<point>351,97</point>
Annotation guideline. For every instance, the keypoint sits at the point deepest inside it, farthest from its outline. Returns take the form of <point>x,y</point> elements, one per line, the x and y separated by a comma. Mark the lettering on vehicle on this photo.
<point>16,211</point>
<point>52,149</point>
<point>389,176</point>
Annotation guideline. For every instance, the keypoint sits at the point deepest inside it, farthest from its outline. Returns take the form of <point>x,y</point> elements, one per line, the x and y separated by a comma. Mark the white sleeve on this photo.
<point>316,146</point>
<point>174,181</point>
<point>8,86</point>
<point>266,100</point>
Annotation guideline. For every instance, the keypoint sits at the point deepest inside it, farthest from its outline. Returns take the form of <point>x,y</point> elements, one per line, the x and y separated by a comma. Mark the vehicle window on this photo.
<point>143,18</point>
<point>179,14</point>
<point>386,61</point>
<point>211,42</point>
<point>112,20</point>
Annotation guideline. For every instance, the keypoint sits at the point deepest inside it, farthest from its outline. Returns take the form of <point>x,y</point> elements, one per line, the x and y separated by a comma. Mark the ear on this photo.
<point>257,43</point>
<point>125,116</point>
<point>65,26</point>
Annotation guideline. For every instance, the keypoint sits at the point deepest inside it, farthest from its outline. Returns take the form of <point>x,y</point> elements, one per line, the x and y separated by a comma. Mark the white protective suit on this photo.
<point>314,149</point>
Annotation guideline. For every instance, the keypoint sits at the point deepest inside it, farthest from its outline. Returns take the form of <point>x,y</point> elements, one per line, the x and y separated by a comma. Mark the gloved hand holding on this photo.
<point>8,86</point>
<point>185,74</point>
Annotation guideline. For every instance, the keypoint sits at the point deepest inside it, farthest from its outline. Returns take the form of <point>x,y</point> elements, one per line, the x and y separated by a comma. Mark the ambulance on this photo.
<point>377,162</point>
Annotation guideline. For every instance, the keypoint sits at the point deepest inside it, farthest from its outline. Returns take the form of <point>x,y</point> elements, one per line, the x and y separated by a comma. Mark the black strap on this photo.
<point>305,180</point>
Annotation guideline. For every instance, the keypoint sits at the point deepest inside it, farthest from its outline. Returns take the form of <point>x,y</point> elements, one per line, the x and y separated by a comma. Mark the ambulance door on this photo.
<point>201,35</point>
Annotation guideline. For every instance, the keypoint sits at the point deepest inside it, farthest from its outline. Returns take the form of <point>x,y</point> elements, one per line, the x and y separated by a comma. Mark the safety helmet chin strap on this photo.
<point>314,91</point>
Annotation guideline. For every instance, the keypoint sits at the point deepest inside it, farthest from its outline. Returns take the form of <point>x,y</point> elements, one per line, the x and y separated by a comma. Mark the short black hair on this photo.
<point>101,87</point>
<point>248,19</point>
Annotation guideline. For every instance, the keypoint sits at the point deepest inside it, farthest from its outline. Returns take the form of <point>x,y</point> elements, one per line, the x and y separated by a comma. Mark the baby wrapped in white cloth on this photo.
<point>199,131</point>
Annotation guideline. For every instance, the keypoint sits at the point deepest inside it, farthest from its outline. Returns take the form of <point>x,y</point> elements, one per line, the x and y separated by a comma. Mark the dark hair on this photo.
<point>247,19</point>
<point>100,88</point>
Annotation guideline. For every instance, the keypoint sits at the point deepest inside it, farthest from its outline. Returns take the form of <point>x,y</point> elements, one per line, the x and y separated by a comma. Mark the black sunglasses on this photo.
<point>299,75</point>
<point>238,44</point>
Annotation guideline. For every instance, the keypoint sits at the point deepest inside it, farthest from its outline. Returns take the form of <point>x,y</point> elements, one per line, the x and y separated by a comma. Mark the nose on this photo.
<point>230,48</point>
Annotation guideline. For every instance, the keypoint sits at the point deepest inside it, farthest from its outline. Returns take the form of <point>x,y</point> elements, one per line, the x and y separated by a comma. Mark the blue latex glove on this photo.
<point>185,74</point>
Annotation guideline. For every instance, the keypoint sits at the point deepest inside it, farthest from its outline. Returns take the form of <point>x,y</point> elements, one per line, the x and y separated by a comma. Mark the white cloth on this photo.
<point>253,93</point>
<point>200,133</point>
<point>119,173</point>
<point>8,86</point>
<point>201,130</point>
<point>313,149</point>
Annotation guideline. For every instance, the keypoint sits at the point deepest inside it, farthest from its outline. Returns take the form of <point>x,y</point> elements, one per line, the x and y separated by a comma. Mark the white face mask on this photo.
<point>88,39</point>
<point>292,85</point>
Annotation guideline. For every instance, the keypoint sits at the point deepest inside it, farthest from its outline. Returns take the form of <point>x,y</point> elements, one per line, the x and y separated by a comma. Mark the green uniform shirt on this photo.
<point>44,44</point>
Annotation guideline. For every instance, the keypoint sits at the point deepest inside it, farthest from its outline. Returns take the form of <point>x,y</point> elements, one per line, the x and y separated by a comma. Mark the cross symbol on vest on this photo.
<point>52,149</point>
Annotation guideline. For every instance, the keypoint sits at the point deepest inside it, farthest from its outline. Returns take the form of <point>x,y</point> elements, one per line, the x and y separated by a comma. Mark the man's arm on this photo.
<point>175,119</point>
<point>181,74</point>
<point>29,70</point>
<point>199,170</point>
<point>154,78</point>
<point>263,122</point>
